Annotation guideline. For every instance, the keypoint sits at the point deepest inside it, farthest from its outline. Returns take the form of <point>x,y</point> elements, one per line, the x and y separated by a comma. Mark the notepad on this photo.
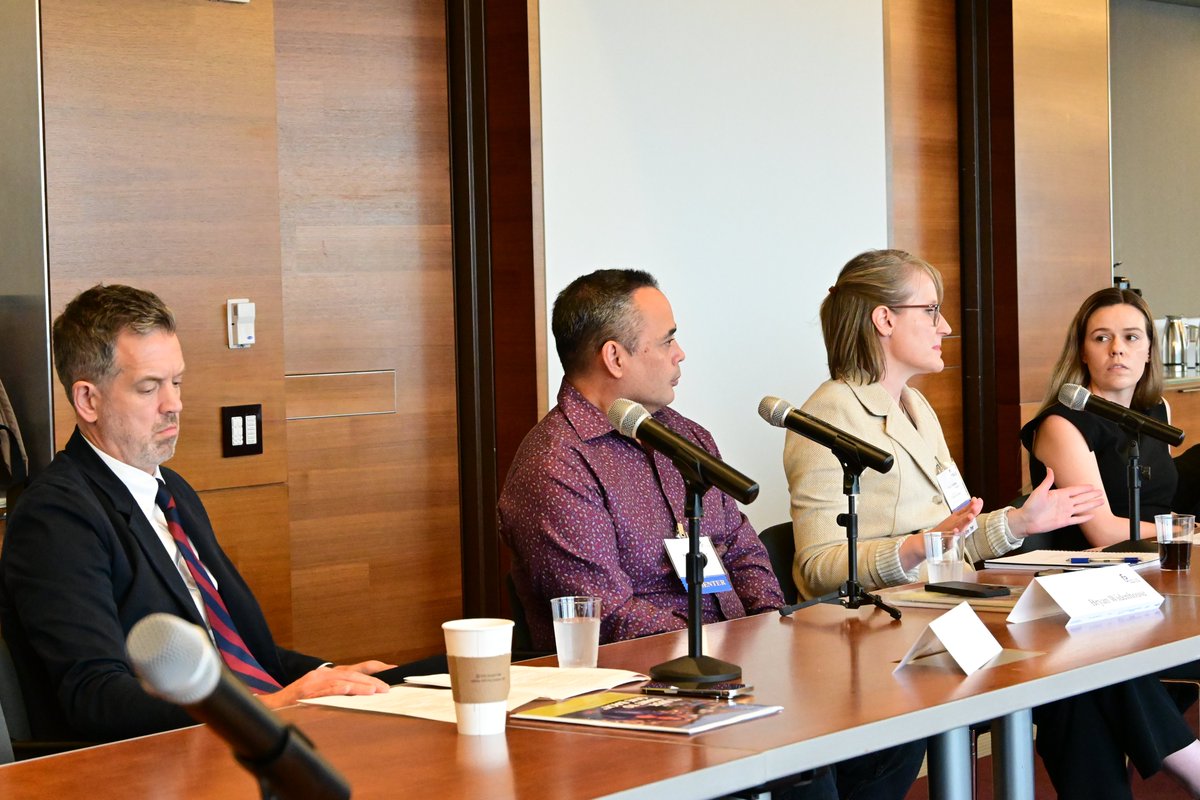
<point>1071,559</point>
<point>919,598</point>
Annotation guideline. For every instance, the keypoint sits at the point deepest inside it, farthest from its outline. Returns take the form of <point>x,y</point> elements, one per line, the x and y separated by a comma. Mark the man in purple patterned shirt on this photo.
<point>586,510</point>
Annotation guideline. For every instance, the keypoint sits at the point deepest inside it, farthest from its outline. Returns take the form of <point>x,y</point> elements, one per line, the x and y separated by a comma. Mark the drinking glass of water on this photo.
<point>576,630</point>
<point>944,556</point>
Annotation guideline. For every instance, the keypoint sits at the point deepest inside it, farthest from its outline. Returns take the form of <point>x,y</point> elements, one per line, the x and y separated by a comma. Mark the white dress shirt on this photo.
<point>144,488</point>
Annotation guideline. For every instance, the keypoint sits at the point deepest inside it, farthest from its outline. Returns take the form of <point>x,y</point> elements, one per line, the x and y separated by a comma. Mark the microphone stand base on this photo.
<point>695,669</point>
<point>849,595</point>
<point>1132,546</point>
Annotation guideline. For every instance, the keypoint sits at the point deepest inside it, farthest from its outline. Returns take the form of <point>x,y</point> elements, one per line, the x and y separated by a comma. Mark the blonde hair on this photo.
<point>869,280</point>
<point>1071,369</point>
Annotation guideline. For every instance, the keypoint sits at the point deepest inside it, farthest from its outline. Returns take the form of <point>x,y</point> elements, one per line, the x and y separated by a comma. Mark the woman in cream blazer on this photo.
<point>883,326</point>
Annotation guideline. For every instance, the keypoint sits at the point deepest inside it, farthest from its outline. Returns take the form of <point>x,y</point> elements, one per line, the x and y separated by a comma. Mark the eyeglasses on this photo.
<point>934,310</point>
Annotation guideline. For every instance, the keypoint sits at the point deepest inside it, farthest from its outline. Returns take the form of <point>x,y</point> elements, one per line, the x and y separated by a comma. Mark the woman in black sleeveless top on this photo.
<point>1107,443</point>
<point>1112,351</point>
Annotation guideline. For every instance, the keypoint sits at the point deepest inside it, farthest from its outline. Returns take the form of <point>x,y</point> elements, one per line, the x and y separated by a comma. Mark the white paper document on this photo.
<point>1086,596</point>
<point>552,683</point>
<point>527,684</point>
<point>414,701</point>
<point>960,633</point>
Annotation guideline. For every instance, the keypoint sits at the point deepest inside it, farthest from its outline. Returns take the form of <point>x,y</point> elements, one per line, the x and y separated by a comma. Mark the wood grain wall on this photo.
<point>920,85</point>
<point>1061,135</point>
<point>169,168</point>
<point>367,295</point>
<point>161,173</point>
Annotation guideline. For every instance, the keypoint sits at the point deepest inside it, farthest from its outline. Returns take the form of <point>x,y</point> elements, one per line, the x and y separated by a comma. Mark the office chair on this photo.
<point>6,751</point>
<point>13,718</point>
<point>522,643</point>
<point>781,547</point>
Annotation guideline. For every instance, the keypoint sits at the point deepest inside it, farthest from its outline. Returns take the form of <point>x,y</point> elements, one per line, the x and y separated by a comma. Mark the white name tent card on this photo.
<point>959,632</point>
<point>1086,595</point>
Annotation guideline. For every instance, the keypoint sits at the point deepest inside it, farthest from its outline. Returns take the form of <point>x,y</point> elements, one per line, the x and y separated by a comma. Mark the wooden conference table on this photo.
<point>830,668</point>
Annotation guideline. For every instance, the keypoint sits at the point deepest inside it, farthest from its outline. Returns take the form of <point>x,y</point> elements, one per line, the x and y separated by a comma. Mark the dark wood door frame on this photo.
<point>491,196</point>
<point>987,192</point>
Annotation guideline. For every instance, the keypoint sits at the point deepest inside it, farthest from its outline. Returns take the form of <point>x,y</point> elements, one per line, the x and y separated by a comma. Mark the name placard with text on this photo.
<point>1086,596</point>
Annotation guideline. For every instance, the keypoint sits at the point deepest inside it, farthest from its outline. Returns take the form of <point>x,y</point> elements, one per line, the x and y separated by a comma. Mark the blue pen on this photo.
<point>1122,560</point>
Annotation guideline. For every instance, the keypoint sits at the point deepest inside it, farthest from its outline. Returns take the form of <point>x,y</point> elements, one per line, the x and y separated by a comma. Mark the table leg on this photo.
<point>949,759</point>
<point>1012,756</point>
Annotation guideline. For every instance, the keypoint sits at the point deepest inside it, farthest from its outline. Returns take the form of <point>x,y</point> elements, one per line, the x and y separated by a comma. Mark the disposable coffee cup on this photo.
<point>943,556</point>
<point>1175,535</point>
<point>576,630</point>
<point>479,652</point>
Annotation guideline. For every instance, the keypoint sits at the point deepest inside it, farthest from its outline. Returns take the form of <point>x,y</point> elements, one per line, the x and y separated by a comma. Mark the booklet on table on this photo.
<point>648,712</point>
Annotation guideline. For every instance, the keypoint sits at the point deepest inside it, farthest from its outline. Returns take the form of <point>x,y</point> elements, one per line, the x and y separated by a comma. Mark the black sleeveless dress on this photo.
<point>1108,442</point>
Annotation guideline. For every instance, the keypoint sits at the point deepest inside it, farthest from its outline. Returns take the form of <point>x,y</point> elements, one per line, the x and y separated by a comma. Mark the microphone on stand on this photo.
<point>696,463</point>
<point>177,662</point>
<point>783,414</point>
<point>1077,398</point>
<point>700,470</point>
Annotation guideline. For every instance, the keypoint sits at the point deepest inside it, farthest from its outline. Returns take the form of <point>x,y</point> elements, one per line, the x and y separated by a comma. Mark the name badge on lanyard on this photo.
<point>715,579</point>
<point>954,491</point>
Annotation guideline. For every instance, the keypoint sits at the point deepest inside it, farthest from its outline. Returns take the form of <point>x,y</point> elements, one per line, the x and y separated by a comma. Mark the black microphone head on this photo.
<point>626,416</point>
<point>774,410</point>
<point>1073,396</point>
<point>174,658</point>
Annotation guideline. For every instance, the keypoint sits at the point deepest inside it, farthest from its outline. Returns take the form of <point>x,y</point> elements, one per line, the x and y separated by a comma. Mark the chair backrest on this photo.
<point>6,751</point>
<point>522,639</point>
<point>781,547</point>
<point>14,724</point>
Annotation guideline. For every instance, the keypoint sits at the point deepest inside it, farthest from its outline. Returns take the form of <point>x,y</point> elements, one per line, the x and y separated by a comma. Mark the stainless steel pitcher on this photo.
<point>1175,342</point>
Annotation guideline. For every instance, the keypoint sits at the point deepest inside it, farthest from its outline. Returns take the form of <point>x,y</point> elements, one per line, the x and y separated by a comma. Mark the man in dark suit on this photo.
<point>105,536</point>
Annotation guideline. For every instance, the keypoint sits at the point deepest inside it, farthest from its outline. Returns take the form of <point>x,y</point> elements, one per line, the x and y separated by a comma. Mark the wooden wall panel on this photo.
<point>922,133</point>
<point>369,500</point>
<point>160,172</point>
<point>367,285</point>
<point>340,394</point>
<point>252,526</point>
<point>1060,99</point>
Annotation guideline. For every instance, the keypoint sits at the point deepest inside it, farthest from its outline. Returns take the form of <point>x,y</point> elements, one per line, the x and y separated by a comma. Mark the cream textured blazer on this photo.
<point>905,500</point>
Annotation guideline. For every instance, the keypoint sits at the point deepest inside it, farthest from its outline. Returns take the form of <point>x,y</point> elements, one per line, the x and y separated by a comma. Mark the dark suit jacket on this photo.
<point>81,564</point>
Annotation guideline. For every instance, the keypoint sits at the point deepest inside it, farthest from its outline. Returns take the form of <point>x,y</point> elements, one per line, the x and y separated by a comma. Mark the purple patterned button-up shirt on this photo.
<point>585,513</point>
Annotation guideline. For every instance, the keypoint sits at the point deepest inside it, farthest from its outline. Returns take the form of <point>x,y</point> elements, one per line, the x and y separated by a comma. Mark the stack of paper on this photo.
<point>1071,559</point>
<point>527,684</point>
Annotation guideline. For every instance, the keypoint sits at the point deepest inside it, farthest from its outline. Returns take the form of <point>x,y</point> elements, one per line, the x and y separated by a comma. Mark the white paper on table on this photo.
<point>1086,595</point>
<point>552,683</point>
<point>959,632</point>
<point>435,704</point>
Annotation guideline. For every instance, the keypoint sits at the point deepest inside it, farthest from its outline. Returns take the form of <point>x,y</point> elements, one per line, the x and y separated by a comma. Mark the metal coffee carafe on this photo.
<point>1175,342</point>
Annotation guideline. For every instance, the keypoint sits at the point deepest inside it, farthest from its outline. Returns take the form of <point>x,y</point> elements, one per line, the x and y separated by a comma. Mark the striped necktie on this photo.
<point>229,642</point>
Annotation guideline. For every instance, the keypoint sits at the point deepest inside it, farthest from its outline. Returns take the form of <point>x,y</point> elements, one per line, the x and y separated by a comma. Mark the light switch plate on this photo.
<point>241,431</point>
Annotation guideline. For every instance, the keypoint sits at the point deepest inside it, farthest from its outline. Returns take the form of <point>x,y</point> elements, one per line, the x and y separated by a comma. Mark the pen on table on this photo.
<point>1109,560</point>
